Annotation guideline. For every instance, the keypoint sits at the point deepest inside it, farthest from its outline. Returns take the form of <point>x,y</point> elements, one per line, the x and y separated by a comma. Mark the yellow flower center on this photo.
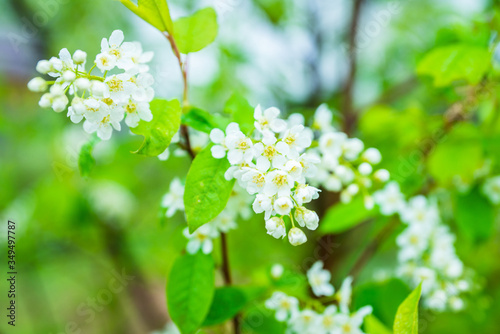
<point>269,151</point>
<point>108,101</point>
<point>290,139</point>
<point>115,85</point>
<point>116,53</point>
<point>243,145</point>
<point>258,180</point>
<point>280,180</point>
<point>105,120</point>
<point>131,107</point>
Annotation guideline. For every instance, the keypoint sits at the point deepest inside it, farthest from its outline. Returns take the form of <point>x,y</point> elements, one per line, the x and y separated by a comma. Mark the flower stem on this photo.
<point>226,272</point>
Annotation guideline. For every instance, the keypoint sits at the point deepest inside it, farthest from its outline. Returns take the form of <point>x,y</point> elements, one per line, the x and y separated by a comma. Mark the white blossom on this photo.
<point>268,119</point>
<point>319,280</point>
<point>283,305</point>
<point>173,201</point>
<point>275,227</point>
<point>390,199</point>
<point>201,239</point>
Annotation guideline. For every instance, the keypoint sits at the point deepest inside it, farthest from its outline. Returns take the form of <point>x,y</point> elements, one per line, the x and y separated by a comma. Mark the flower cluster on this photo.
<point>491,189</point>
<point>273,166</point>
<point>426,250</point>
<point>345,165</point>
<point>332,319</point>
<point>103,101</point>
<point>238,206</point>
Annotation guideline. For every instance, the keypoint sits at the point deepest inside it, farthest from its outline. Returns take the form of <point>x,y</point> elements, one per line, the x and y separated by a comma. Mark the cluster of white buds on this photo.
<point>271,164</point>
<point>321,320</point>
<point>346,166</point>
<point>426,252</point>
<point>491,189</point>
<point>103,101</point>
<point>238,206</point>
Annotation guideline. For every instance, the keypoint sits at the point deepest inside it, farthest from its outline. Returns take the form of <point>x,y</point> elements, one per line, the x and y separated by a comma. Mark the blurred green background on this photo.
<point>75,234</point>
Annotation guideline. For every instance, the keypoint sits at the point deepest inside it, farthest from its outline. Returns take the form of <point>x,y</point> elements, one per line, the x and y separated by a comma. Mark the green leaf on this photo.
<point>155,12</point>
<point>207,191</point>
<point>341,217</point>
<point>406,321</point>
<point>190,290</point>
<point>86,161</point>
<point>374,326</point>
<point>195,32</point>
<point>474,215</point>
<point>457,155</point>
<point>241,111</point>
<point>203,121</point>
<point>227,302</point>
<point>385,298</point>
<point>455,62</point>
<point>159,131</point>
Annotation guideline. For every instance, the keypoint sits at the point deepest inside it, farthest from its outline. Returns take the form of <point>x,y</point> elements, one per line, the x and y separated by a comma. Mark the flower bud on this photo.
<point>276,227</point>
<point>283,205</point>
<point>78,105</point>
<point>369,202</point>
<point>365,168</point>
<point>306,217</point>
<point>69,76</point>
<point>352,189</point>
<point>82,83</point>
<point>345,197</point>
<point>59,103</point>
<point>382,175</point>
<point>37,85</point>
<point>372,155</point>
<point>56,90</point>
<point>99,89</point>
<point>277,271</point>
<point>43,66</point>
<point>296,236</point>
<point>79,57</point>
<point>45,100</point>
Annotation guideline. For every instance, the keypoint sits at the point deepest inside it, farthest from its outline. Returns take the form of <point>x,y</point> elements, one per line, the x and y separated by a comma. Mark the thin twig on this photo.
<point>372,248</point>
<point>348,105</point>
<point>183,67</point>
<point>226,272</point>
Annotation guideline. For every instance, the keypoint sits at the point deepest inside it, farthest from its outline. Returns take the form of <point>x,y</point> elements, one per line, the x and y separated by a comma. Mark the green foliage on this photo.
<point>86,161</point>
<point>260,320</point>
<point>406,321</point>
<point>474,215</point>
<point>195,32</point>
<point>227,302</point>
<point>203,121</point>
<point>241,111</point>
<point>159,132</point>
<point>385,298</point>
<point>342,217</point>
<point>455,62</point>
<point>207,191</point>
<point>155,12</point>
<point>190,291</point>
<point>374,326</point>
<point>458,155</point>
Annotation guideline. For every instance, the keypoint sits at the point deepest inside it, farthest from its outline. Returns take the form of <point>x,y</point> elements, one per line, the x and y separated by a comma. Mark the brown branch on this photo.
<point>226,273</point>
<point>372,248</point>
<point>183,67</point>
<point>348,91</point>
